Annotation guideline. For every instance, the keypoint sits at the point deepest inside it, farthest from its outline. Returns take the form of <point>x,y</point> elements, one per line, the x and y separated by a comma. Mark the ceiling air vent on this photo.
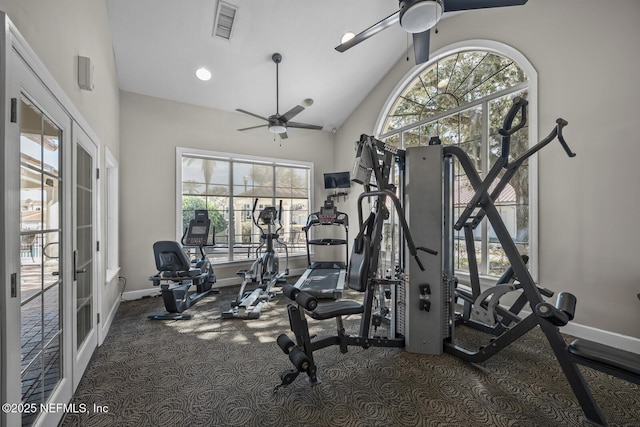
<point>225,15</point>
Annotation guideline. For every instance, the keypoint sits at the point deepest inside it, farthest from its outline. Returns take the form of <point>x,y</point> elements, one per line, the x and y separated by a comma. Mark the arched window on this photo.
<point>462,96</point>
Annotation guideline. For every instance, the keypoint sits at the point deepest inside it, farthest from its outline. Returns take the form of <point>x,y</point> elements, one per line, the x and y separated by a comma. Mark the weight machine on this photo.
<point>435,289</point>
<point>425,310</point>
<point>375,159</point>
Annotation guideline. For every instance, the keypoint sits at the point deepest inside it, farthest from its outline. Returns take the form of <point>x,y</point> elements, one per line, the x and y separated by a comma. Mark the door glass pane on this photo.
<point>30,265</point>
<point>50,145</point>
<point>32,389</point>
<point>31,327</point>
<point>40,279</point>
<point>84,244</point>
<point>30,135</point>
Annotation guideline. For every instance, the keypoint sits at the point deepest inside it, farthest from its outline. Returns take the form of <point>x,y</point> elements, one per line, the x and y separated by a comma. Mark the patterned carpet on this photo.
<point>213,372</point>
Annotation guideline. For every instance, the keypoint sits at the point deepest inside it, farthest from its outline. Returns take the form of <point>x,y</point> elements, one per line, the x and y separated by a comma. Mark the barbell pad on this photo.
<point>307,301</point>
<point>290,291</point>
<point>285,343</point>
<point>299,359</point>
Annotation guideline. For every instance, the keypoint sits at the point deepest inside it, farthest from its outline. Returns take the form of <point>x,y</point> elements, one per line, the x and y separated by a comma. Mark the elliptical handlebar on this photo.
<point>279,219</point>
<point>253,213</point>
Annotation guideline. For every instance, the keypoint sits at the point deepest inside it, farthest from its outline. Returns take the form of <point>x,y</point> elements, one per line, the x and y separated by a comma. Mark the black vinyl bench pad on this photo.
<point>625,362</point>
<point>329,310</point>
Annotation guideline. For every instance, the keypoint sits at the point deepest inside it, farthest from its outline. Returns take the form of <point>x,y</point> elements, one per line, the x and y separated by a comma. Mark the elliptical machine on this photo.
<point>177,273</point>
<point>265,270</point>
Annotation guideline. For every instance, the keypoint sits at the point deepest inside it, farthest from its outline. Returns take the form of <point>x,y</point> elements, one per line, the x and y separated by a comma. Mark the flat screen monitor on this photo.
<point>337,180</point>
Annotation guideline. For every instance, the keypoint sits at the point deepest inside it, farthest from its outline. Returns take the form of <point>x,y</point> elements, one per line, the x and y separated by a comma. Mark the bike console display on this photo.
<point>268,215</point>
<point>197,234</point>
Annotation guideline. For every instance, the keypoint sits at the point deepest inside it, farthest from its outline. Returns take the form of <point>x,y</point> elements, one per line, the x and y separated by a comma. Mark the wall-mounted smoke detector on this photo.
<point>224,19</point>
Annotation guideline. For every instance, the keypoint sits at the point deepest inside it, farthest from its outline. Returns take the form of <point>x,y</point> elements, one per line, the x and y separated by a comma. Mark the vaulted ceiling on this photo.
<point>159,44</point>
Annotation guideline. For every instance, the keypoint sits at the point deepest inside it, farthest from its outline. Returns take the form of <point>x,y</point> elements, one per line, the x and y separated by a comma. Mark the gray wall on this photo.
<point>586,55</point>
<point>151,130</point>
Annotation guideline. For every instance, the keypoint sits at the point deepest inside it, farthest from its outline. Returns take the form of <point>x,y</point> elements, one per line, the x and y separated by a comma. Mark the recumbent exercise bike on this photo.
<point>177,273</point>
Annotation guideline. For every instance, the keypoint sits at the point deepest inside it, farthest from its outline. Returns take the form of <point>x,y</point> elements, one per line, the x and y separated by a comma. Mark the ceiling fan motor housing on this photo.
<point>417,16</point>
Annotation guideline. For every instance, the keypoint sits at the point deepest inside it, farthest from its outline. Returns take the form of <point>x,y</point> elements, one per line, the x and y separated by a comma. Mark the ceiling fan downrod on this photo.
<point>277,58</point>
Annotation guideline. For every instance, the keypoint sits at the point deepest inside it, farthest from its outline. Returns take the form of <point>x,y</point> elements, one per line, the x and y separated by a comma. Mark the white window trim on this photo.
<point>532,117</point>
<point>112,192</point>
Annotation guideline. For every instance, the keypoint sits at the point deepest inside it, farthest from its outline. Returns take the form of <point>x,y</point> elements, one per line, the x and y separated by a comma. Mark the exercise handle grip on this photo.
<point>427,250</point>
<point>519,104</point>
<point>560,123</point>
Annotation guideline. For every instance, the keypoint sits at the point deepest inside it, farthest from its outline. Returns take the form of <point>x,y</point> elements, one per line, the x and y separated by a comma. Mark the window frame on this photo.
<point>112,190</point>
<point>507,51</point>
<point>182,152</point>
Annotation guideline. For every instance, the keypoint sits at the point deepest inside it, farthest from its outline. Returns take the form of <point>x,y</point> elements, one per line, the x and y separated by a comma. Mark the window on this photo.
<point>463,97</point>
<point>111,203</point>
<point>227,186</point>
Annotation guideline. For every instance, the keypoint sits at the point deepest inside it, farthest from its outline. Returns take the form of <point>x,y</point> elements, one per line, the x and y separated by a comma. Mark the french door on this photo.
<point>84,271</point>
<point>36,319</point>
<point>48,321</point>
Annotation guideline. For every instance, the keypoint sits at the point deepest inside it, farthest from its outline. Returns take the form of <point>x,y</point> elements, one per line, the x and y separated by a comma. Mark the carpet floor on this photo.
<point>213,372</point>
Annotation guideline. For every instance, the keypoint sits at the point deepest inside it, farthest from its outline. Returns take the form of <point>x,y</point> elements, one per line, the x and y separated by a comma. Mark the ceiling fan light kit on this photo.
<point>418,17</point>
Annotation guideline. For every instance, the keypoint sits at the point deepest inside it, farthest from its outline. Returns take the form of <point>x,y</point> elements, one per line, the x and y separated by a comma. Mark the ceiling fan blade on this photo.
<point>251,114</point>
<point>421,46</point>
<point>303,126</point>
<point>455,5</point>
<point>253,127</point>
<point>292,113</point>
<point>371,31</point>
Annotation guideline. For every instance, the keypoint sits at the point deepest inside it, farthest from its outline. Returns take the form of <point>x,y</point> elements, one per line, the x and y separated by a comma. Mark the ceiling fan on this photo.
<point>419,16</point>
<point>278,123</point>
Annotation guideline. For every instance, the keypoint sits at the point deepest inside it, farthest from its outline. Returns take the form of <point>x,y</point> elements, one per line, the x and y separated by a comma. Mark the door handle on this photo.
<point>76,270</point>
<point>75,265</point>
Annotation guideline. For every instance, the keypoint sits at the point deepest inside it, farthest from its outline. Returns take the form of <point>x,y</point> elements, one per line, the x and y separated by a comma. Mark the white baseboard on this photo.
<point>611,339</point>
<point>105,325</point>
<point>601,336</point>
<point>139,294</point>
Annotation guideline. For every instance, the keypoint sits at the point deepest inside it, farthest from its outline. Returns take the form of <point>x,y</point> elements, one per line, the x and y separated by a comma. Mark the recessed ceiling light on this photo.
<point>346,37</point>
<point>203,74</point>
